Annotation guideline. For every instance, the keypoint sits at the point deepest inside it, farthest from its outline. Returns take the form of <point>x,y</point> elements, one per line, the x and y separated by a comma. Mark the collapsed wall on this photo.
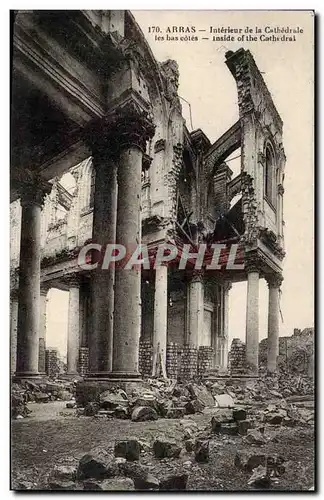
<point>296,352</point>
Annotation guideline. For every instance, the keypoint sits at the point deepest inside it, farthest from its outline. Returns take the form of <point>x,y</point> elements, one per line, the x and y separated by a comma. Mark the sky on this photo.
<point>207,84</point>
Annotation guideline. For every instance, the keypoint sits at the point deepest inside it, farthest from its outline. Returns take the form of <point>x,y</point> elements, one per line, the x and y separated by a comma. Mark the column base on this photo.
<point>27,375</point>
<point>38,379</point>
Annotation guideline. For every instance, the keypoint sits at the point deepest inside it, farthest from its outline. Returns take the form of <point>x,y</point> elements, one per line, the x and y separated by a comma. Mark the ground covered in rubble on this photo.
<point>54,447</point>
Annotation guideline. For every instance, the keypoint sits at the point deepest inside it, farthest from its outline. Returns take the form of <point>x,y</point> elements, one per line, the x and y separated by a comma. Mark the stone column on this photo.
<point>102,282</point>
<point>252,318</point>
<point>42,330</point>
<point>160,315</point>
<point>13,332</point>
<point>195,308</point>
<point>33,190</point>
<point>133,130</point>
<point>227,287</point>
<point>73,340</point>
<point>274,283</point>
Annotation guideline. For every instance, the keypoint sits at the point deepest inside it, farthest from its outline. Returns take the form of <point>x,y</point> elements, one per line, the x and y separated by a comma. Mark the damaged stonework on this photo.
<point>140,176</point>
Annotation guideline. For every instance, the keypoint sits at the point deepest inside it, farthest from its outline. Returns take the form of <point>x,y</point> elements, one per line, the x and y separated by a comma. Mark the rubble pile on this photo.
<point>132,464</point>
<point>28,391</point>
<point>120,469</point>
<point>157,399</point>
<point>19,408</point>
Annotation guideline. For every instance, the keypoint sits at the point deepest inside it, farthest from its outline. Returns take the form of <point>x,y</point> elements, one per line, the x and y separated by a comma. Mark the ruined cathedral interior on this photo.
<point>100,152</point>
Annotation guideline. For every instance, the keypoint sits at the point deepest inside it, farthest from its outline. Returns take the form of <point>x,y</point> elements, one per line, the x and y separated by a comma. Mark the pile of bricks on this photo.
<point>205,359</point>
<point>41,356</point>
<point>83,361</point>
<point>172,362</point>
<point>145,358</point>
<point>189,362</point>
<point>237,357</point>
<point>52,367</point>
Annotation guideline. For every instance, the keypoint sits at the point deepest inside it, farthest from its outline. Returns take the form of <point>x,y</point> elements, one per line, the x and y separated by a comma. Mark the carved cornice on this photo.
<point>126,126</point>
<point>32,188</point>
<point>270,239</point>
<point>63,255</point>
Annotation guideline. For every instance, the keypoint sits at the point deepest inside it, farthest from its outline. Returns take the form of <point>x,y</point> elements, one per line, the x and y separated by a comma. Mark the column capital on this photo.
<point>274,280</point>
<point>197,276</point>
<point>128,125</point>
<point>252,264</point>
<point>32,187</point>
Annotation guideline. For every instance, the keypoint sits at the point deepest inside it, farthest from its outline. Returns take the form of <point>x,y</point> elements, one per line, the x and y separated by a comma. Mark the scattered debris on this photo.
<point>129,449</point>
<point>163,448</point>
<point>202,450</point>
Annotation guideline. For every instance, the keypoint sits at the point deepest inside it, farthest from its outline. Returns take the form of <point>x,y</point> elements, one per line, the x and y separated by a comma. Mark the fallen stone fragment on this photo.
<point>260,478</point>
<point>202,451</point>
<point>42,397</point>
<point>247,461</point>
<point>275,418</point>
<point>143,414</point>
<point>118,484</point>
<point>97,464</point>
<point>255,437</point>
<point>143,480</point>
<point>275,465</point>
<point>243,426</point>
<point>109,400</point>
<point>163,448</point>
<point>71,404</point>
<point>174,482</point>
<point>105,413</point>
<point>190,445</point>
<point>146,399</point>
<point>221,417</point>
<point>63,395</point>
<point>224,401</point>
<point>57,484</point>
<point>193,407</point>
<point>62,473</point>
<point>289,422</point>
<point>91,409</point>
<point>163,407</point>
<point>229,429</point>
<point>92,485</point>
<point>176,412</point>
<point>121,412</point>
<point>202,394</point>
<point>129,449</point>
<point>239,414</point>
